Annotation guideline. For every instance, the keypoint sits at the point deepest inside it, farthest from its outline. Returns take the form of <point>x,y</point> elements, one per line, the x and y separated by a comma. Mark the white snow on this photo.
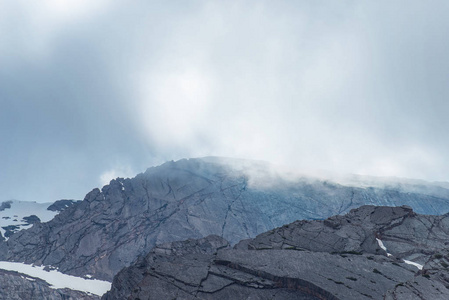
<point>21,209</point>
<point>381,245</point>
<point>413,264</point>
<point>58,280</point>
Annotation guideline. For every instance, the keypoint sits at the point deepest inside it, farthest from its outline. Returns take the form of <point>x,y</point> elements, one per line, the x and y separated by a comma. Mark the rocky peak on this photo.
<point>404,233</point>
<point>302,260</point>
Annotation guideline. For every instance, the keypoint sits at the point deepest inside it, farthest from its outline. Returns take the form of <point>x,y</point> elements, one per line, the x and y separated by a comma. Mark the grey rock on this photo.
<point>193,198</point>
<point>337,258</point>
<point>60,205</point>
<point>261,274</point>
<point>431,283</point>
<point>405,234</point>
<point>33,219</point>
<point>10,230</point>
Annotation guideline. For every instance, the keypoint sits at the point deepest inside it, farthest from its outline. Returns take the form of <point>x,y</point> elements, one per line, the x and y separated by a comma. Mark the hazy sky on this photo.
<point>91,90</point>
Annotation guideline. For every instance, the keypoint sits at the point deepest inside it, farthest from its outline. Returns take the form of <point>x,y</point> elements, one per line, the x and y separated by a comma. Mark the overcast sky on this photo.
<point>92,90</point>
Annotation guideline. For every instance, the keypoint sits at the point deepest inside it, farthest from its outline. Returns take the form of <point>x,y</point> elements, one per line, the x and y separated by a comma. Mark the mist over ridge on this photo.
<point>94,91</point>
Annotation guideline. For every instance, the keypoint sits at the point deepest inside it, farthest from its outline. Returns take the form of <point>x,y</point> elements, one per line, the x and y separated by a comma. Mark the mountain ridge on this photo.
<point>190,198</point>
<point>342,257</point>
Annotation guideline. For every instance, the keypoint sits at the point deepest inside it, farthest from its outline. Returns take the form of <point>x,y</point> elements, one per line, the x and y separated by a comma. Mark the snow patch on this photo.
<point>28,278</point>
<point>381,245</point>
<point>413,264</point>
<point>409,262</point>
<point>58,280</point>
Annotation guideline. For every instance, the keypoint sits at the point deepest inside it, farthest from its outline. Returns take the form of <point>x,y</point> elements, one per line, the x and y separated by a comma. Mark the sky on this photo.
<point>93,90</point>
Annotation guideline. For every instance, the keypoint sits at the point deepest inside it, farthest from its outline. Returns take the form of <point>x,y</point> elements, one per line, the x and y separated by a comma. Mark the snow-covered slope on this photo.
<point>58,280</point>
<point>17,215</point>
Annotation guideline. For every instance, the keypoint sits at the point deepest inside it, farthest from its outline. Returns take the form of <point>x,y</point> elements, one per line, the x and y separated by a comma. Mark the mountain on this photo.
<point>195,198</point>
<point>190,198</point>
<point>370,253</point>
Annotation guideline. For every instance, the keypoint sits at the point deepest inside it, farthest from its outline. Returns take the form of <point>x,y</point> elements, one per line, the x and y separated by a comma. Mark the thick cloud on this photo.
<point>92,91</point>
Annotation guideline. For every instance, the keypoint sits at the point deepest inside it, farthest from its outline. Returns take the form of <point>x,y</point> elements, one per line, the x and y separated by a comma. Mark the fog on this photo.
<point>92,91</point>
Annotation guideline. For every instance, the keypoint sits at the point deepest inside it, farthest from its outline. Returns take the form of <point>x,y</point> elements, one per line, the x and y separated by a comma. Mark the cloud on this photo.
<point>119,171</point>
<point>311,86</point>
<point>351,86</point>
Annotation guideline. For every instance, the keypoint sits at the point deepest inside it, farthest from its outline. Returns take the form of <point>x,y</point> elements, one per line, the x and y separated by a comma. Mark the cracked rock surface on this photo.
<point>194,198</point>
<point>338,258</point>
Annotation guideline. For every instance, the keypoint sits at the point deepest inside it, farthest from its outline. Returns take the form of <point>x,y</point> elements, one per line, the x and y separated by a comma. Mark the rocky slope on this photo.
<point>17,286</point>
<point>369,253</point>
<point>191,198</point>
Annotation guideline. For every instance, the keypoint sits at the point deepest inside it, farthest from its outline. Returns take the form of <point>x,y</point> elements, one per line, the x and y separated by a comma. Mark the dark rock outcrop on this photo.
<point>338,258</point>
<point>60,205</point>
<point>191,198</point>
<point>5,205</point>
<point>33,219</point>
<point>10,229</point>
<point>405,234</point>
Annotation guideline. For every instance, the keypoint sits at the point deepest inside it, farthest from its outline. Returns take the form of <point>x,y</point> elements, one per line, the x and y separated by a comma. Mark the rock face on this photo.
<point>433,282</point>
<point>192,198</point>
<point>17,286</point>
<point>338,258</point>
<point>404,233</point>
